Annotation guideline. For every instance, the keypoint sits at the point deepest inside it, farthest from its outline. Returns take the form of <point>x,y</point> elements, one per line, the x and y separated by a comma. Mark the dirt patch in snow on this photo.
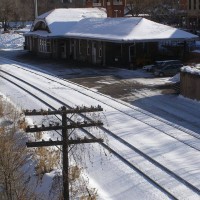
<point>126,90</point>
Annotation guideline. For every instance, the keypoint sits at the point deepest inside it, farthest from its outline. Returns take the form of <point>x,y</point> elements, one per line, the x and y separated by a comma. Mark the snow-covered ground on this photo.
<point>113,178</point>
<point>11,41</point>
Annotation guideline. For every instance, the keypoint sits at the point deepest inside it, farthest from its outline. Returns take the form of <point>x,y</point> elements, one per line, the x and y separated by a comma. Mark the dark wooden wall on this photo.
<point>190,85</point>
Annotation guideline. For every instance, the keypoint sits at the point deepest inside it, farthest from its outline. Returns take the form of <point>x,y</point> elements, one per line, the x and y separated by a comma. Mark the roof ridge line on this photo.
<point>51,12</point>
<point>140,20</point>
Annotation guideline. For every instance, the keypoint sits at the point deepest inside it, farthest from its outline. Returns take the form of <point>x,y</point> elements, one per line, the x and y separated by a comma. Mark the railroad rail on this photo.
<point>136,150</point>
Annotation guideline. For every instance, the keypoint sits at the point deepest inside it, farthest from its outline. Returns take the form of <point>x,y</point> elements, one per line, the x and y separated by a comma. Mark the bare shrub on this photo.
<point>88,198</point>
<point>14,159</point>
<point>22,124</point>
<point>74,173</point>
<point>1,107</point>
<point>47,160</point>
<point>38,135</point>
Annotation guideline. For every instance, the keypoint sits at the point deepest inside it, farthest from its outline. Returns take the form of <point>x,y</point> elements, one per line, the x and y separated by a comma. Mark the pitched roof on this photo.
<point>127,30</point>
<point>60,21</point>
<point>72,14</point>
<point>92,23</point>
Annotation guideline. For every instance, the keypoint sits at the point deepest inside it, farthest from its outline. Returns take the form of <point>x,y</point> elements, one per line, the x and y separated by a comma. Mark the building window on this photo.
<point>44,46</point>
<point>195,4</point>
<point>190,3</point>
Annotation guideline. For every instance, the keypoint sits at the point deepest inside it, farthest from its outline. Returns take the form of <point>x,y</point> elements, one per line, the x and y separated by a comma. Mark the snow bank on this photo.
<point>26,29</point>
<point>175,78</point>
<point>11,41</point>
<point>190,70</point>
<point>194,101</point>
<point>196,51</point>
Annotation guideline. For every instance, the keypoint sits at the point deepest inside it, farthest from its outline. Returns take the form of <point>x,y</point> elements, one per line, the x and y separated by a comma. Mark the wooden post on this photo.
<point>65,156</point>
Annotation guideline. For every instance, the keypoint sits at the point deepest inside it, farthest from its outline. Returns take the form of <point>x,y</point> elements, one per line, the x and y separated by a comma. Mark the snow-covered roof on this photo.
<point>92,23</point>
<point>196,51</point>
<point>127,30</point>
<point>72,14</point>
<point>60,21</point>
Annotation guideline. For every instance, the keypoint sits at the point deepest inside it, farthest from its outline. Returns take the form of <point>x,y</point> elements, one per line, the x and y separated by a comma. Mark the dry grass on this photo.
<point>88,198</point>
<point>8,111</point>
<point>38,135</point>
<point>74,172</point>
<point>1,107</point>
<point>22,124</point>
<point>91,196</point>
<point>47,160</point>
<point>13,157</point>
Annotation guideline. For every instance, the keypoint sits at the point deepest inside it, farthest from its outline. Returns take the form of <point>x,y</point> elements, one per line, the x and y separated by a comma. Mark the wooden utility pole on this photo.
<point>65,142</point>
<point>65,155</point>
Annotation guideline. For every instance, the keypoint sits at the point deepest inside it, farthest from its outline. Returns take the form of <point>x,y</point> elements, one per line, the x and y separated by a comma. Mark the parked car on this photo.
<point>160,64</point>
<point>165,63</point>
<point>149,68</point>
<point>169,70</point>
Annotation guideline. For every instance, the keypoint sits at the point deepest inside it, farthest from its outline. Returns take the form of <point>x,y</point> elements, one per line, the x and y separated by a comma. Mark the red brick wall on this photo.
<point>183,4</point>
<point>113,7</point>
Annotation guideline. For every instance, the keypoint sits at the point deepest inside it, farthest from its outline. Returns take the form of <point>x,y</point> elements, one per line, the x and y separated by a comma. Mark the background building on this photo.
<point>114,8</point>
<point>190,14</point>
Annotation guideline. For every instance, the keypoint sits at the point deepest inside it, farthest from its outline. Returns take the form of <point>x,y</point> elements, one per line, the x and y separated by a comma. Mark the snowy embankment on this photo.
<point>11,41</point>
<point>125,182</point>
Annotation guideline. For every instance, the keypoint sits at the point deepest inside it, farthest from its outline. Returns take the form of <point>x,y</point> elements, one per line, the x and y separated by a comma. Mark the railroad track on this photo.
<point>133,112</point>
<point>154,164</point>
